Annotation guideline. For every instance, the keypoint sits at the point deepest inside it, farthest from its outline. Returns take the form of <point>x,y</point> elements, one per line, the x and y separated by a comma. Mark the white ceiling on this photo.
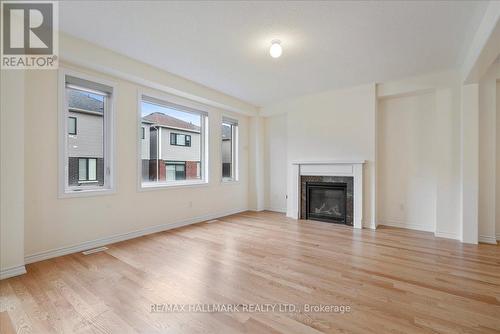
<point>326,45</point>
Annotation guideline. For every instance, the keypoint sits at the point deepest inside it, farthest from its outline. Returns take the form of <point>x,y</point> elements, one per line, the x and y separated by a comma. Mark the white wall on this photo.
<point>12,163</point>
<point>342,125</point>
<point>407,167</point>
<point>256,168</point>
<point>12,83</point>
<point>86,54</point>
<point>446,89</point>
<point>487,153</point>
<point>470,163</point>
<point>275,162</point>
<point>448,205</point>
<point>497,213</point>
<point>332,125</point>
<point>79,220</point>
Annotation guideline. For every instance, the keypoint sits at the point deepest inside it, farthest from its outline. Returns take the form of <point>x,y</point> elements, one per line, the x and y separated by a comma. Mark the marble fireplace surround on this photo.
<point>326,168</point>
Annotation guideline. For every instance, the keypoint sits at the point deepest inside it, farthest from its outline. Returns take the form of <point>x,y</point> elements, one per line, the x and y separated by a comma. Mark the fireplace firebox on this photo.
<point>327,201</point>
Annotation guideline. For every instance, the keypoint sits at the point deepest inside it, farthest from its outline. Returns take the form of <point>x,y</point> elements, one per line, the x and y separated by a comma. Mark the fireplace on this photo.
<point>326,201</point>
<point>350,172</point>
<point>327,198</point>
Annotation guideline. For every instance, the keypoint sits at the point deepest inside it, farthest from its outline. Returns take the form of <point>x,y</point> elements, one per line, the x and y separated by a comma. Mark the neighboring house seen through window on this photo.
<point>174,151</point>
<point>229,149</point>
<point>87,163</point>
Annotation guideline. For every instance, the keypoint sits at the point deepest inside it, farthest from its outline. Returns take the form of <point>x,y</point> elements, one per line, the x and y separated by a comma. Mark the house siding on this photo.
<point>226,151</point>
<point>146,142</point>
<point>88,141</point>
<point>180,153</point>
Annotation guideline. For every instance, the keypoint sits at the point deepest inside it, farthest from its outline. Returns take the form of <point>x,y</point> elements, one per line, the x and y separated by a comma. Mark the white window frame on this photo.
<point>109,187</point>
<point>234,150</point>
<point>185,105</point>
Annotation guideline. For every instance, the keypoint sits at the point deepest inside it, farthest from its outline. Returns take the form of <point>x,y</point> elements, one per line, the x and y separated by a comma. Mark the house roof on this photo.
<point>84,101</point>
<point>170,122</point>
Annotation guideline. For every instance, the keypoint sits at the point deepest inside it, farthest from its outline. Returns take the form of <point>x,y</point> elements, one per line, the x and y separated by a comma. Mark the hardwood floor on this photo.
<point>394,280</point>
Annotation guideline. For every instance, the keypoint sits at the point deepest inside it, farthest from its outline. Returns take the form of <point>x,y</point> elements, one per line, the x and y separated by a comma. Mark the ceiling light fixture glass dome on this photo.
<point>275,50</point>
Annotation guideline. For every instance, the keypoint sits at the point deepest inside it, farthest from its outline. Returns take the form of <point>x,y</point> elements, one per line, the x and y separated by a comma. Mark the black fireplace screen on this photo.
<point>326,201</point>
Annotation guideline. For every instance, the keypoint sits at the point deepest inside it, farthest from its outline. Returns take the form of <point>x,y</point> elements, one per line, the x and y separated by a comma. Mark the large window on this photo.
<point>229,149</point>
<point>175,152</point>
<point>87,140</point>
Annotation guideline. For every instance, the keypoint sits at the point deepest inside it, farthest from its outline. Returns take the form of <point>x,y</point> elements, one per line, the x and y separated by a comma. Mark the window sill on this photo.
<point>172,185</point>
<point>86,193</point>
<point>229,181</point>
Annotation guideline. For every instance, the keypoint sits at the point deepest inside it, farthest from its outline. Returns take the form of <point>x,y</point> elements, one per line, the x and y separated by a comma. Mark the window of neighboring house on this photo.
<point>143,133</point>
<point>72,125</point>
<point>179,139</point>
<point>176,150</point>
<point>176,170</point>
<point>87,161</point>
<point>229,149</point>
<point>87,169</point>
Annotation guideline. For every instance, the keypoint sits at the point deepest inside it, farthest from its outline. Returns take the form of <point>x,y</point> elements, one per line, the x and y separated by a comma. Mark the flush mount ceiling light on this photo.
<point>275,50</point>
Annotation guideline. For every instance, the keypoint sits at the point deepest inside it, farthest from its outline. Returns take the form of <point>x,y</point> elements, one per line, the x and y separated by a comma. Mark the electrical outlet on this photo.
<point>190,204</point>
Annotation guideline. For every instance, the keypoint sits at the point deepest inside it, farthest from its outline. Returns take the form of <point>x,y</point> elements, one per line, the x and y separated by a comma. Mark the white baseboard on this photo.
<point>280,210</point>
<point>12,271</point>
<point>487,239</point>
<point>402,224</point>
<point>447,235</point>
<point>498,237</point>
<point>371,226</point>
<point>121,237</point>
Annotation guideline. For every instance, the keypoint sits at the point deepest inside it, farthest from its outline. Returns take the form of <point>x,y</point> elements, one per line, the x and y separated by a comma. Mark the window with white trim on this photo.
<point>87,116</point>
<point>176,150</point>
<point>229,149</point>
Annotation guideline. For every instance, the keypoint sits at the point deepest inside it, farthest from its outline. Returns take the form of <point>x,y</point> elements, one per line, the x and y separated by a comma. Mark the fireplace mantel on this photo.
<point>352,168</point>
